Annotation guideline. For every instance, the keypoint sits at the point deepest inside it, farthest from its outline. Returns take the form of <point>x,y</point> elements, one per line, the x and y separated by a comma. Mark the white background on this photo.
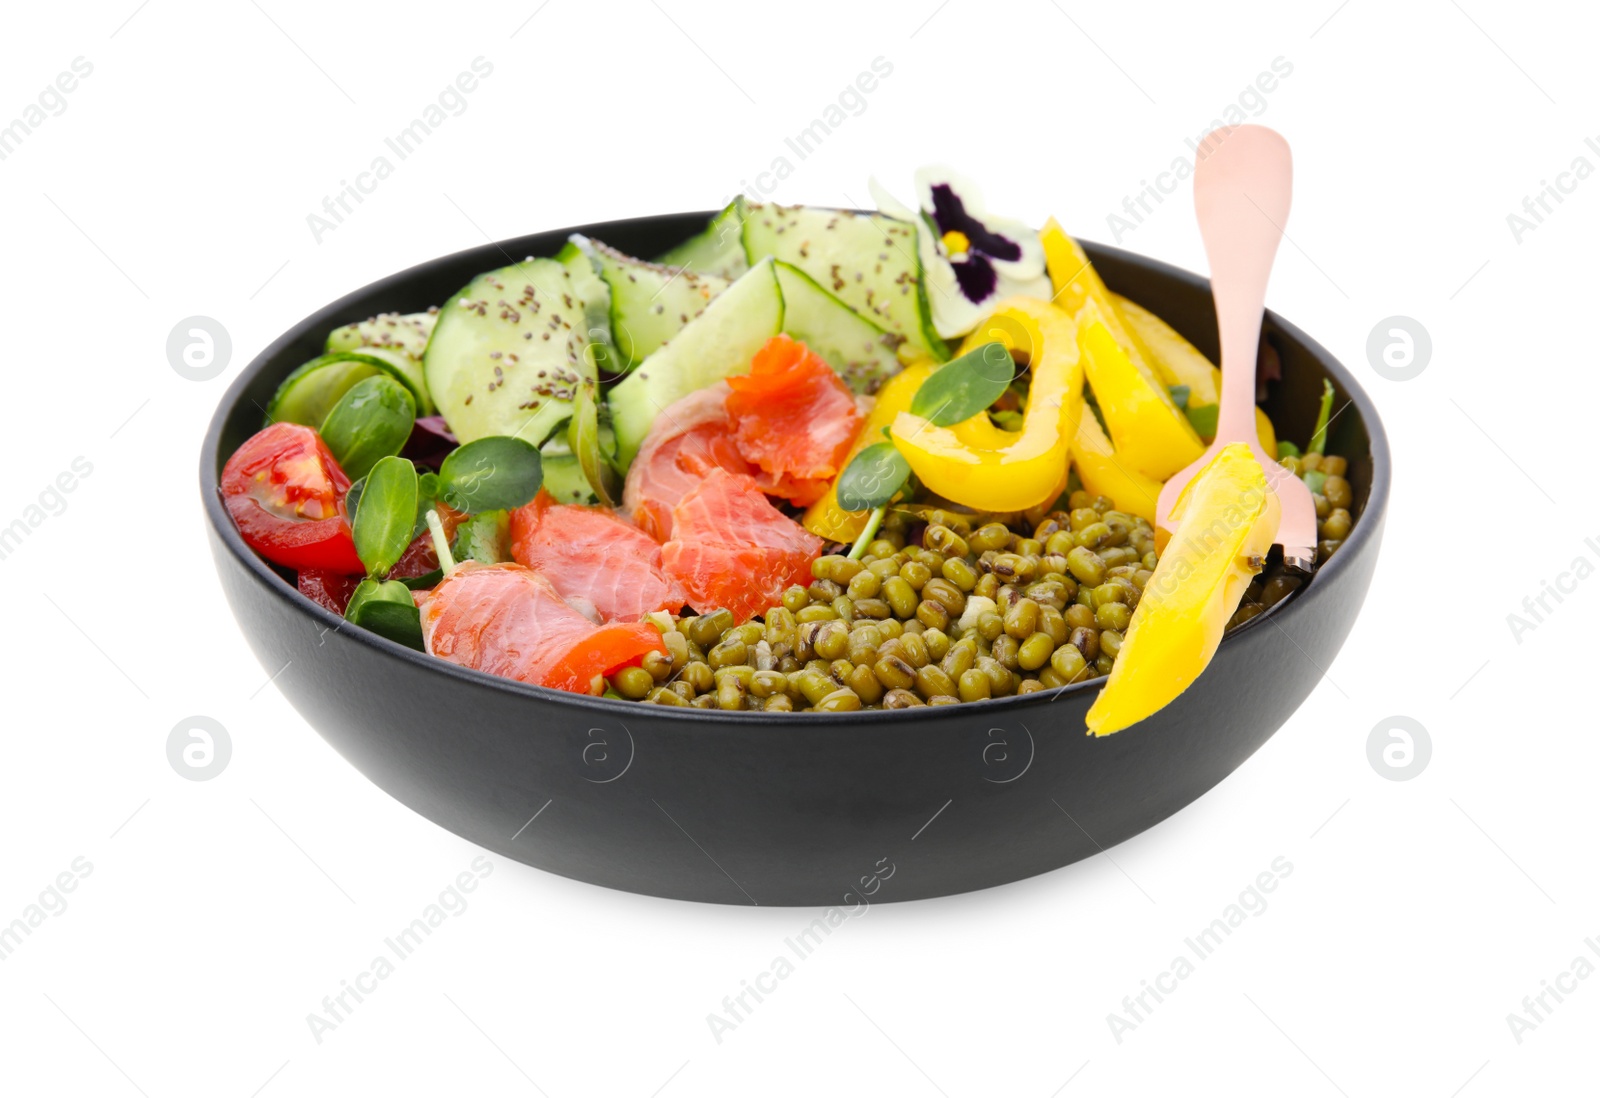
<point>219,914</point>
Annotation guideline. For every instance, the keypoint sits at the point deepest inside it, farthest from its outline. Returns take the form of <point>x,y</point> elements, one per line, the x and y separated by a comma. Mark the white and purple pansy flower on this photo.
<point>971,259</point>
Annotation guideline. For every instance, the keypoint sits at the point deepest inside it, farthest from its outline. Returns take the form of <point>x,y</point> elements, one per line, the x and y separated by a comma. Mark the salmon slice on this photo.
<point>794,419</point>
<point>732,548</point>
<point>595,556</point>
<point>506,619</point>
<point>690,437</point>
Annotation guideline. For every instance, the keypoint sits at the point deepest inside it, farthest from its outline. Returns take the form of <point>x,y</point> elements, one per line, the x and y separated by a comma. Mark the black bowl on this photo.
<point>781,809</point>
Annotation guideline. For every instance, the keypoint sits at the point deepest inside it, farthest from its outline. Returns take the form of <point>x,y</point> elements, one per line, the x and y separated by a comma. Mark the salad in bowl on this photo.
<point>808,460</point>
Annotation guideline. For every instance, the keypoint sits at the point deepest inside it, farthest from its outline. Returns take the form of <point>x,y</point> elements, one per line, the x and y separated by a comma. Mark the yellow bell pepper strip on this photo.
<point>1226,520</point>
<point>825,518</point>
<point>977,464</point>
<point>1151,433</point>
<point>1179,363</point>
<point>1076,283</point>
<point>1103,473</point>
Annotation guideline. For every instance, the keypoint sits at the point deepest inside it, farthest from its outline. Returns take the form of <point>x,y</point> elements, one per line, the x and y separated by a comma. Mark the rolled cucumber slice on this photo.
<point>510,350</point>
<point>868,261</point>
<point>397,338</point>
<point>717,344</point>
<point>592,291</point>
<point>718,250</point>
<point>858,350</point>
<point>563,476</point>
<point>650,303</point>
<point>309,394</point>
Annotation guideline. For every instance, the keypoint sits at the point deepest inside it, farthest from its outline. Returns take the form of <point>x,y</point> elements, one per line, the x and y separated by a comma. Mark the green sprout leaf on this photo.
<point>372,420</point>
<point>1203,419</point>
<point>872,477</point>
<point>1180,395</point>
<point>964,386</point>
<point>387,609</point>
<point>498,473</point>
<point>1319,437</point>
<point>386,512</point>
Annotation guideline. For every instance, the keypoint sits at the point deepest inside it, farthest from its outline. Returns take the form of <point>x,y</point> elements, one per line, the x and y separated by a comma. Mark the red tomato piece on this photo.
<point>732,548</point>
<point>794,419</point>
<point>594,556</point>
<point>690,437</point>
<point>330,590</point>
<point>286,495</point>
<point>506,619</point>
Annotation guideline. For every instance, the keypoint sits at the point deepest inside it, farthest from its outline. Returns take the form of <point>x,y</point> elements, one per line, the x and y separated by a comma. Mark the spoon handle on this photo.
<point>1242,188</point>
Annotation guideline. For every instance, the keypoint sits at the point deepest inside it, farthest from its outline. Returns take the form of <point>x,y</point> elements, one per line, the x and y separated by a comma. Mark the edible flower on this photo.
<point>970,258</point>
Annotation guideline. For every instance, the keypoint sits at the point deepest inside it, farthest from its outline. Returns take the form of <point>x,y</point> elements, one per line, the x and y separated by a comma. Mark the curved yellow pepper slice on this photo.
<point>1151,432</point>
<point>1226,520</point>
<point>975,463</point>
<point>825,518</point>
<point>1180,363</point>
<point>1104,474</point>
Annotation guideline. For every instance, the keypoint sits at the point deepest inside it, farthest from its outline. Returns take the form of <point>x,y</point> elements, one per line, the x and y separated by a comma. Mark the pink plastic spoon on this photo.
<point>1242,188</point>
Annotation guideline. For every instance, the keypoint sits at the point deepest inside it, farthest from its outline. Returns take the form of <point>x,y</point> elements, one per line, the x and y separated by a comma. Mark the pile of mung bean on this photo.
<point>946,607</point>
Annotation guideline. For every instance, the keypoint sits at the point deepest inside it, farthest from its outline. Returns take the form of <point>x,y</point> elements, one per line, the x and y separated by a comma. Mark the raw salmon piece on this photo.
<point>690,437</point>
<point>505,619</point>
<point>594,555</point>
<point>794,419</point>
<point>732,548</point>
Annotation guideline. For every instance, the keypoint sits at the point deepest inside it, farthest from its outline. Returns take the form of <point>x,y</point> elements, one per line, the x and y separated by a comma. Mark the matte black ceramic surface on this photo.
<point>751,808</point>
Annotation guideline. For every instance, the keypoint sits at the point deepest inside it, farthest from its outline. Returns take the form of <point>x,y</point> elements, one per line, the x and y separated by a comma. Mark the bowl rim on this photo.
<point>223,527</point>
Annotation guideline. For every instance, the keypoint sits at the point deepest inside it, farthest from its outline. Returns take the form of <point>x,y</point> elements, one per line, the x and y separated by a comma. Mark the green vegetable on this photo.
<point>872,478</point>
<point>485,537</point>
<point>398,340</point>
<point>583,438</point>
<point>1319,437</point>
<point>868,532</point>
<point>387,609</point>
<point>1287,449</point>
<point>1203,419</point>
<point>372,420</point>
<point>964,386</point>
<point>1180,395</point>
<point>1315,480</point>
<point>386,514</point>
<point>498,472</point>
<point>309,394</point>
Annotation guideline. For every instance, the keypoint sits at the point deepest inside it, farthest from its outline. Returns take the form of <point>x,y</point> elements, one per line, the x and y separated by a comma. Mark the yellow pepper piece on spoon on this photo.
<point>1225,521</point>
<point>825,518</point>
<point>978,465</point>
<point>1180,363</point>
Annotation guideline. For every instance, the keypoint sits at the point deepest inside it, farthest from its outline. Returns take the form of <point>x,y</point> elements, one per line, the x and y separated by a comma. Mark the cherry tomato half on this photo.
<point>286,495</point>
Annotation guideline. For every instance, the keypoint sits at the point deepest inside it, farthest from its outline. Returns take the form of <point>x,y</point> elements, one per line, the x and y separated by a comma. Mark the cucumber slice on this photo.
<point>718,250</point>
<point>858,350</point>
<point>868,261</point>
<point>309,394</point>
<point>591,289</point>
<point>717,344</point>
<point>650,303</point>
<point>510,351</point>
<point>397,338</point>
<point>563,476</point>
